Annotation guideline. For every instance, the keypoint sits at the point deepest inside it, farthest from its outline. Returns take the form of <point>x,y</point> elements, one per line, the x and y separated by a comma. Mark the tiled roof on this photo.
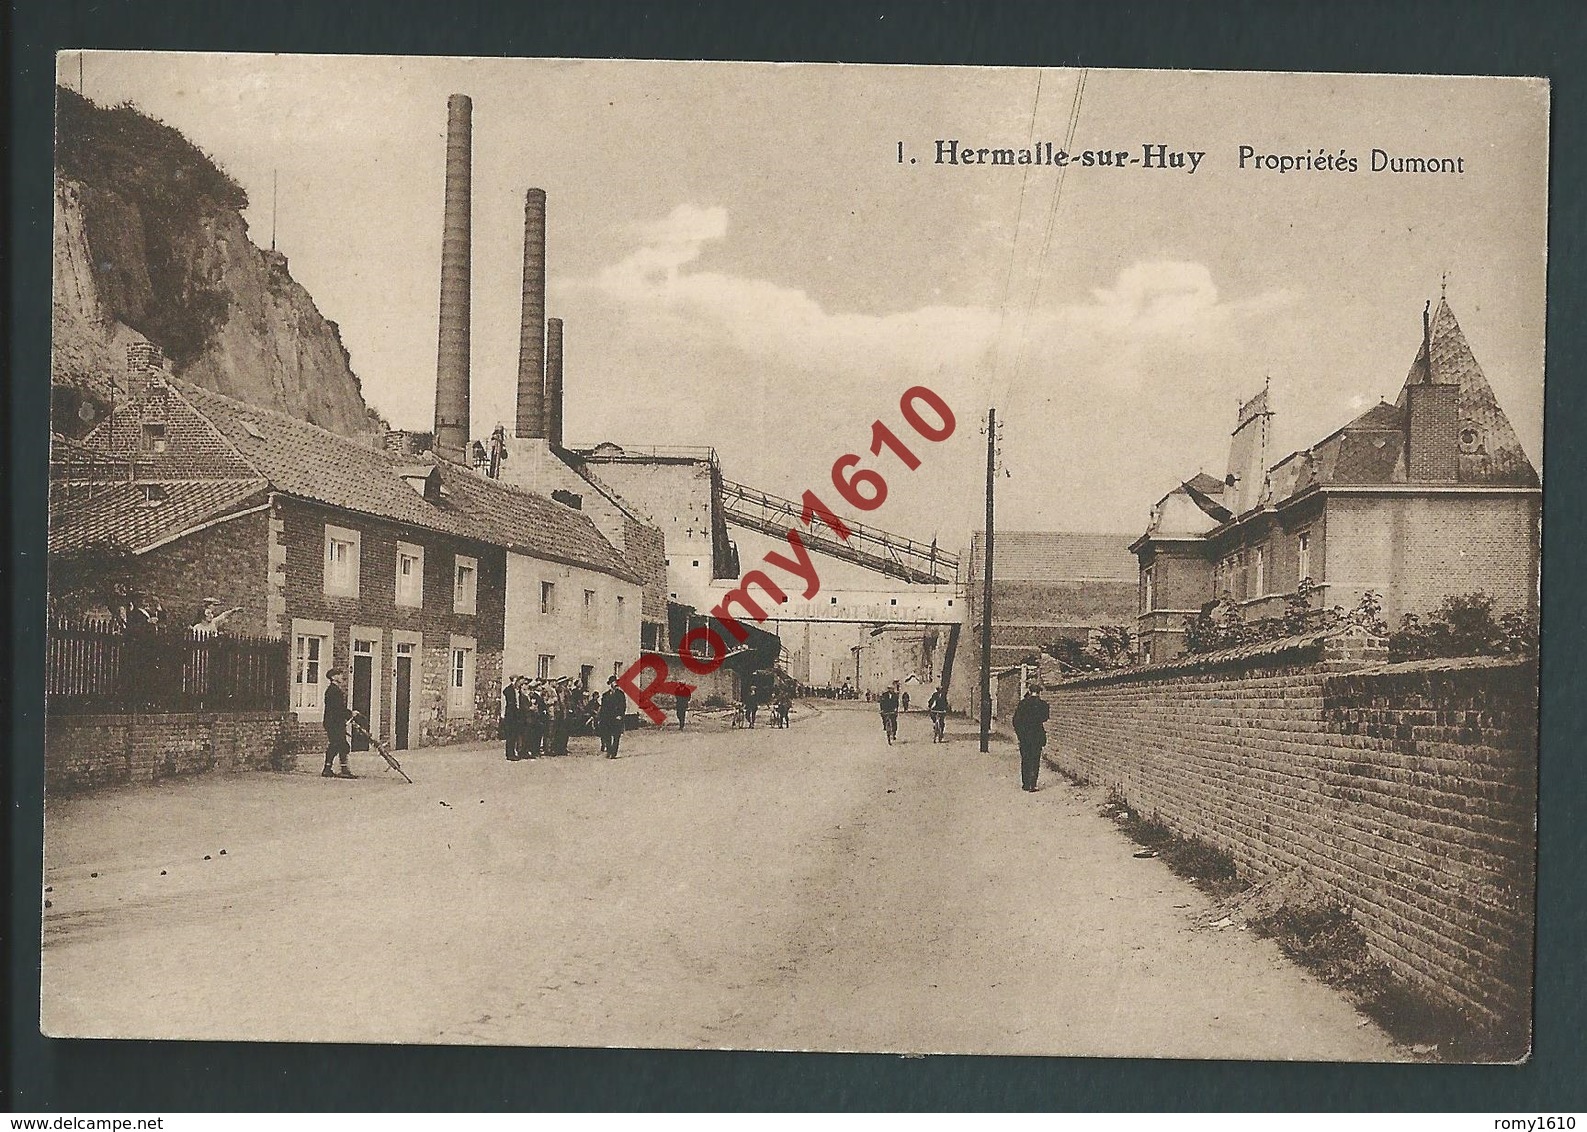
<point>80,514</point>
<point>216,437</point>
<point>531,524</point>
<point>193,448</point>
<point>1057,556</point>
<point>1207,485</point>
<point>305,460</point>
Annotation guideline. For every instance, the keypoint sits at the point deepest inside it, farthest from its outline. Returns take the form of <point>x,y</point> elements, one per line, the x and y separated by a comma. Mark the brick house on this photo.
<point>395,570</point>
<point>1417,500</point>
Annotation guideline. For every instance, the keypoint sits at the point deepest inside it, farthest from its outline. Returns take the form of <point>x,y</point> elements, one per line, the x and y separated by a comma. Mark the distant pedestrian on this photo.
<point>337,718</point>
<point>1030,718</point>
<point>937,709</point>
<point>681,706</point>
<point>609,718</point>
<point>888,703</point>
<point>905,701</point>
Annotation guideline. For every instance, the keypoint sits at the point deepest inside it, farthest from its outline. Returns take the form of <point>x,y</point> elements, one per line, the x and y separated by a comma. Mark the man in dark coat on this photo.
<point>681,706</point>
<point>609,717</point>
<point>336,719</point>
<point>1029,720</point>
<point>513,718</point>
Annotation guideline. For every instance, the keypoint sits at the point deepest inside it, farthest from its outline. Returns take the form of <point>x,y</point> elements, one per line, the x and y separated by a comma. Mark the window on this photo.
<point>1148,598</point>
<point>619,611</point>
<point>465,585</point>
<point>696,561</point>
<point>410,575</point>
<point>311,658</point>
<point>586,674</point>
<point>548,597</point>
<point>154,436</point>
<point>341,561</point>
<point>543,669</point>
<point>1302,556</point>
<point>589,607</point>
<point>460,678</point>
<point>1259,571</point>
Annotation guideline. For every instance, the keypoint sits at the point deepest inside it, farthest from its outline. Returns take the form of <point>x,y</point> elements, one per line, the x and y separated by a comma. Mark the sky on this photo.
<point>742,260</point>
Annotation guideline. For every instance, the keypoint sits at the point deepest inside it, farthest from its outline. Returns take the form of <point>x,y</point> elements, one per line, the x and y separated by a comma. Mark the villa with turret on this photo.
<point>1414,501</point>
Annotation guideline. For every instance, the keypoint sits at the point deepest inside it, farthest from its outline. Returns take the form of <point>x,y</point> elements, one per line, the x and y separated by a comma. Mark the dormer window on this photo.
<point>154,494</point>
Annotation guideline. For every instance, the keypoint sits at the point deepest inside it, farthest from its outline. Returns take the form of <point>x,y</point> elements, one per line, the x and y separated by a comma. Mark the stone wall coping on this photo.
<point>1297,649</point>
<point>1440,664</point>
<point>136,719</point>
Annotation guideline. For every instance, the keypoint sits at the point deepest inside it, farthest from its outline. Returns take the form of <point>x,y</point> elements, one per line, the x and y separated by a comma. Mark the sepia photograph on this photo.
<point>983,560</point>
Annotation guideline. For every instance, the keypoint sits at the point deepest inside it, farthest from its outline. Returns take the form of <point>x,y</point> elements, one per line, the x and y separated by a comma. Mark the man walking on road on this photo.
<point>336,719</point>
<point>1029,720</point>
<point>682,707</point>
<point>888,702</point>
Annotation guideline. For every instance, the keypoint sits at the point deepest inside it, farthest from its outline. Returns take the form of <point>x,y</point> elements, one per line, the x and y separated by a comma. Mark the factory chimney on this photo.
<point>554,381</point>
<point>532,331</point>
<point>452,351</point>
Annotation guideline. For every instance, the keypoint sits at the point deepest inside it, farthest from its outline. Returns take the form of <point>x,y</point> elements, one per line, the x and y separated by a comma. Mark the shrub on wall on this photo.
<point>1221,625</point>
<point>1464,625</point>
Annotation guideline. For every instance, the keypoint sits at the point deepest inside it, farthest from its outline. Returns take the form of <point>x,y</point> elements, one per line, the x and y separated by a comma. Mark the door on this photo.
<point>363,692</point>
<point>402,696</point>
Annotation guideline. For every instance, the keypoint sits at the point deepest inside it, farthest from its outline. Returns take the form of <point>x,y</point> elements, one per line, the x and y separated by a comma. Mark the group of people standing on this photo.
<point>538,716</point>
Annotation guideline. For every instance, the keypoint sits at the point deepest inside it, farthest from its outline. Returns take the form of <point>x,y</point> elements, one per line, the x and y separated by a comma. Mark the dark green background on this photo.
<point>1442,38</point>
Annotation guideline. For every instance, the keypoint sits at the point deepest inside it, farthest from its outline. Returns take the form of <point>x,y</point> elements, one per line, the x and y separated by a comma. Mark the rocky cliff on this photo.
<point>151,245</point>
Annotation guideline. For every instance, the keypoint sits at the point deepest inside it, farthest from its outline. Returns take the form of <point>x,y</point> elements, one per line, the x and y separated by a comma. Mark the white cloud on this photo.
<point>1109,398</point>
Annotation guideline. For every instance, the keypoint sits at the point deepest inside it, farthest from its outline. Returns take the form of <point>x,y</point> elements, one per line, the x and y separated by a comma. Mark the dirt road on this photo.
<point>800,889</point>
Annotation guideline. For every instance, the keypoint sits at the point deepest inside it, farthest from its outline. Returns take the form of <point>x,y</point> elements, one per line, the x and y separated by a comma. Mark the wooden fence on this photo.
<point>100,667</point>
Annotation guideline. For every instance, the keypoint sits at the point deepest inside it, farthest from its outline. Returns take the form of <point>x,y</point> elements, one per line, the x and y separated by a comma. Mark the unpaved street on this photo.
<point>799,889</point>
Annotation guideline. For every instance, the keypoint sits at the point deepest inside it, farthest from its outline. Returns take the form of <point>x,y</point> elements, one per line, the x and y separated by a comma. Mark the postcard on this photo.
<point>981,560</point>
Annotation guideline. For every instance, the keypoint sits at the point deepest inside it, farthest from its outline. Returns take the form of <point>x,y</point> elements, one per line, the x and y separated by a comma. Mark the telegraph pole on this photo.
<point>986,585</point>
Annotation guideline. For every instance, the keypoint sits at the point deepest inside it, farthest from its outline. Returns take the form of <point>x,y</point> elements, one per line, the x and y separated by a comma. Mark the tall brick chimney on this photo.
<point>1433,446</point>
<point>532,328</point>
<point>452,350</point>
<point>554,381</point>
<point>1432,442</point>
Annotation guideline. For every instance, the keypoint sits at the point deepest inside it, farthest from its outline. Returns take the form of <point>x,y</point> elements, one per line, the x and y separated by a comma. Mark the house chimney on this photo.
<point>554,381</point>
<point>532,330</point>
<point>452,351</point>
<point>1433,440</point>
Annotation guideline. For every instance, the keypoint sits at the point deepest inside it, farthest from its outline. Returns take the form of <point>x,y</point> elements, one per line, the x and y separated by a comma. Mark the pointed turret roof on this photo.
<point>1490,450</point>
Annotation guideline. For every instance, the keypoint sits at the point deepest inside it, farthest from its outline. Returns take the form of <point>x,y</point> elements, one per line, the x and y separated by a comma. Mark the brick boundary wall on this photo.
<point>83,752</point>
<point>1407,792</point>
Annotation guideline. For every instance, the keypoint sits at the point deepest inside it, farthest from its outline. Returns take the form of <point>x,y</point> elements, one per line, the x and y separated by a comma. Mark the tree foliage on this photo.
<point>1464,625</point>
